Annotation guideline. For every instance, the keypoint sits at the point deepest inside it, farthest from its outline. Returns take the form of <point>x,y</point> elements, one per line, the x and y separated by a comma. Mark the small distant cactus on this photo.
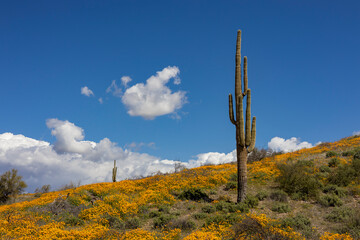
<point>114,172</point>
<point>245,132</point>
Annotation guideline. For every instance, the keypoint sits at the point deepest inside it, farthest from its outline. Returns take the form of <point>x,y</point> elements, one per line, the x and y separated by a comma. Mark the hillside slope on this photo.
<point>307,194</point>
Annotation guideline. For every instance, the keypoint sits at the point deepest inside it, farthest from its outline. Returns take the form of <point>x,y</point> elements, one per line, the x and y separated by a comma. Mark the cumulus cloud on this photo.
<point>125,80</point>
<point>101,101</point>
<point>114,89</point>
<point>211,158</point>
<point>356,133</point>
<point>71,158</point>
<point>86,91</point>
<point>154,98</point>
<point>289,145</point>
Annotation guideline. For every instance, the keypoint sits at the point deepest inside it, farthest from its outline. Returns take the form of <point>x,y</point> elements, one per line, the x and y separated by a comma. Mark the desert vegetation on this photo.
<point>201,203</point>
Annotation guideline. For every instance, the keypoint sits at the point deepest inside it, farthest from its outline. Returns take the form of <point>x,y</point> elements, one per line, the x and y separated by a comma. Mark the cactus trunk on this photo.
<point>245,131</point>
<point>114,172</point>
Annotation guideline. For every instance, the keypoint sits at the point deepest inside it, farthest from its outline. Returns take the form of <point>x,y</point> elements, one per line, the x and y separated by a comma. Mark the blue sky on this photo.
<point>303,59</point>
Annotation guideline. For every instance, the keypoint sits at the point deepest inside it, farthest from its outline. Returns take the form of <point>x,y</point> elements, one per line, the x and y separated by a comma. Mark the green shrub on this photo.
<point>334,162</point>
<point>208,209</point>
<point>233,177</point>
<point>10,185</point>
<point>281,208</point>
<point>334,190</point>
<point>71,220</point>
<point>352,225</point>
<point>194,194</point>
<point>348,153</point>
<point>262,195</point>
<point>279,195</point>
<point>230,185</point>
<point>342,176</point>
<point>164,208</point>
<point>153,214</point>
<point>185,224</point>
<point>300,223</point>
<point>132,223</point>
<point>331,154</point>
<point>115,222</point>
<point>298,179</point>
<point>251,201</point>
<point>162,221</point>
<point>339,214</point>
<point>325,169</point>
<point>221,219</point>
<point>199,215</point>
<point>330,200</point>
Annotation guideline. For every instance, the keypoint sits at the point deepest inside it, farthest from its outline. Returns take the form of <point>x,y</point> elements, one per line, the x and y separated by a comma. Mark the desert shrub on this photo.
<point>153,214</point>
<point>334,190</point>
<point>71,220</point>
<point>257,155</point>
<point>11,184</point>
<point>251,228</point>
<point>348,153</point>
<point>162,221</point>
<point>230,185</point>
<point>342,176</point>
<point>324,169</point>
<point>185,224</point>
<point>194,194</point>
<point>330,200</point>
<point>199,215</point>
<point>164,208</point>
<point>300,223</point>
<point>262,195</point>
<point>298,179</point>
<point>114,222</point>
<point>281,207</point>
<point>334,162</point>
<point>251,201</point>
<point>355,164</point>
<point>70,185</point>
<point>331,154</point>
<point>208,209</point>
<point>132,223</point>
<point>43,189</point>
<point>352,225</point>
<point>339,214</point>
<point>279,195</point>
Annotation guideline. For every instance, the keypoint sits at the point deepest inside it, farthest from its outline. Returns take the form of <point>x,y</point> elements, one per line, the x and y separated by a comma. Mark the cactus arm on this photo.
<point>248,119</point>
<point>231,110</point>
<point>245,76</point>
<point>240,118</point>
<point>253,135</point>
<point>238,90</point>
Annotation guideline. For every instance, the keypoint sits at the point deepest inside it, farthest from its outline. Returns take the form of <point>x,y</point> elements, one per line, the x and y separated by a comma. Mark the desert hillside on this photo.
<point>308,194</point>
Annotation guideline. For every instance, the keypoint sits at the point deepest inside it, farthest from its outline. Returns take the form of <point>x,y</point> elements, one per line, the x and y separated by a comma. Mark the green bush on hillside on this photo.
<point>11,184</point>
<point>334,162</point>
<point>194,194</point>
<point>331,154</point>
<point>330,200</point>
<point>298,179</point>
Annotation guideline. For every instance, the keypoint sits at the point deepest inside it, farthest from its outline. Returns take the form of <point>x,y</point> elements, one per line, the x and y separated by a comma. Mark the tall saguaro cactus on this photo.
<point>245,134</point>
<point>114,172</point>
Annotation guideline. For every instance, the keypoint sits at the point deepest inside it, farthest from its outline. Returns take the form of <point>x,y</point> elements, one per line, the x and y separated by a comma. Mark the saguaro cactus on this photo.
<point>114,172</point>
<point>245,135</point>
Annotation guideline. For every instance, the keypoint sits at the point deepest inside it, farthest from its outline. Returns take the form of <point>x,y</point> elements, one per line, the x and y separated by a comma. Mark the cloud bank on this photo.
<point>154,98</point>
<point>289,145</point>
<point>71,158</point>
<point>86,91</point>
<point>356,133</point>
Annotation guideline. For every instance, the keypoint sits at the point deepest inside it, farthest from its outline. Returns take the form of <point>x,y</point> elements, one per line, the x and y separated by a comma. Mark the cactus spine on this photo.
<point>114,172</point>
<point>245,134</point>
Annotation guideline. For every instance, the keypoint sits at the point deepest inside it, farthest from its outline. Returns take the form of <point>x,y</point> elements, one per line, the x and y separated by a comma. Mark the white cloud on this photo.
<point>71,158</point>
<point>86,91</point>
<point>101,101</point>
<point>114,89</point>
<point>154,99</point>
<point>211,158</point>
<point>125,80</point>
<point>281,145</point>
<point>356,133</point>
